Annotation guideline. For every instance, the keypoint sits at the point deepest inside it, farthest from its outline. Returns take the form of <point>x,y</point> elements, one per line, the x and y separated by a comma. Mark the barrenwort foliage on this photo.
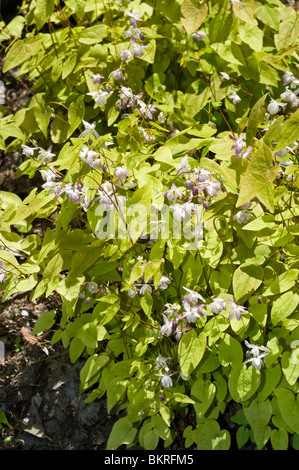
<point>165,132</point>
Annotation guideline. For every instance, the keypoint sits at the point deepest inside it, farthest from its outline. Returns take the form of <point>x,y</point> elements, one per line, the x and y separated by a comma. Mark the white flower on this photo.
<point>125,55</point>
<point>100,97</point>
<point>236,310</point>
<point>168,327</point>
<point>145,288</point>
<point>164,282</point>
<point>96,79</point>
<point>192,297</point>
<point>117,74</point>
<point>183,166</point>
<point>198,36</point>
<point>89,129</point>
<point>258,357</point>
<point>212,188</point>
<point>161,362</point>
<point>28,151</point>
<point>193,312</point>
<point>138,50</point>
<point>45,156</point>
<point>166,380</point>
<point>218,305</point>
<point>290,96</point>
<point>224,76</point>
<point>242,217</point>
<point>234,97</point>
<point>173,193</point>
<point>273,106</point>
<point>2,272</point>
<point>90,158</point>
<point>121,172</point>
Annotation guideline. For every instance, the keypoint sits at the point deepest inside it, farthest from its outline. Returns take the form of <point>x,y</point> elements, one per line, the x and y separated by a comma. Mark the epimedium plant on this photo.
<point>166,134</point>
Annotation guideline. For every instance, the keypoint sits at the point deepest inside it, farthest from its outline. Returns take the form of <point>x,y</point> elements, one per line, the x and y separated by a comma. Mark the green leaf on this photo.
<point>93,34</point>
<point>242,436</point>
<point>122,432</point>
<point>284,306</point>
<point>289,132</point>
<point>44,322</point>
<point>258,178</point>
<point>290,365</point>
<point>43,10</point>
<point>256,117</point>
<point>287,35</point>
<point>230,351</point>
<point>289,407</point>
<point>279,439</point>
<point>76,114</point>
<point>245,11</point>
<point>210,437</point>
<point>20,51</point>
<point>115,391</point>
<point>246,280</point>
<point>139,211</point>
<point>190,351</point>
<point>272,378</point>
<point>193,14</point>
<point>243,382</point>
<point>42,112</point>
<point>91,370</point>
<point>203,393</point>
<point>268,15</point>
<point>282,283</point>
<point>258,410</point>
<point>251,35</point>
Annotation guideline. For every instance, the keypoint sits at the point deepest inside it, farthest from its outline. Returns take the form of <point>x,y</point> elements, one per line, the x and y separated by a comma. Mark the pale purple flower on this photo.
<point>125,55</point>
<point>192,297</point>
<point>173,193</point>
<point>242,217</point>
<point>224,76</point>
<point>161,362</point>
<point>234,97</point>
<point>164,282</point>
<point>236,310</point>
<point>121,172</point>
<point>239,144</point>
<point>166,380</point>
<point>49,175</point>
<point>168,327</point>
<point>212,188</point>
<point>117,74</point>
<point>202,175</point>
<point>218,305</point>
<point>96,79</point>
<point>134,17</point>
<point>199,36</point>
<point>192,312</point>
